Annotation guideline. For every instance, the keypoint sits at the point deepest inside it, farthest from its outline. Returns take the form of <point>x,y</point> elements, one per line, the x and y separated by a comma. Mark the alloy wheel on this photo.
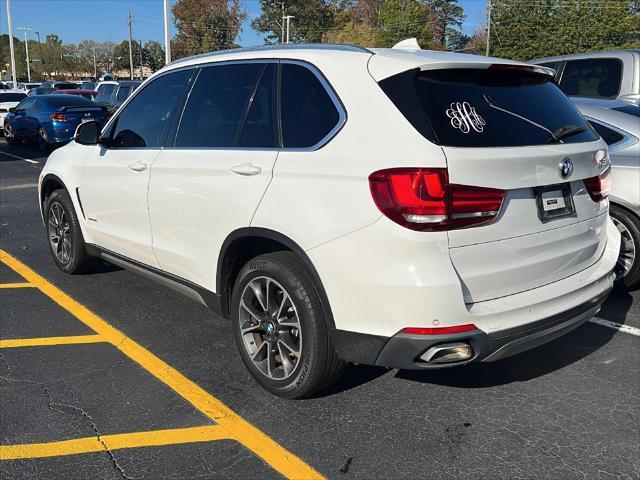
<point>59,233</point>
<point>270,328</point>
<point>627,249</point>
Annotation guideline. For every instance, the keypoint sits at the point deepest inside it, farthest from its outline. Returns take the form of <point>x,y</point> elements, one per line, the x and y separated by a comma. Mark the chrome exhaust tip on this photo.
<point>448,353</point>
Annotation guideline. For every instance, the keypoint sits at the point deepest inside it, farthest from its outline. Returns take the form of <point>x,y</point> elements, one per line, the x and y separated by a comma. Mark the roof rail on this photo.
<point>344,47</point>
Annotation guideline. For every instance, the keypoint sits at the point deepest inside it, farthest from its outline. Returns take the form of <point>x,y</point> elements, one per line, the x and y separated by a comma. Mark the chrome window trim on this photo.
<point>627,141</point>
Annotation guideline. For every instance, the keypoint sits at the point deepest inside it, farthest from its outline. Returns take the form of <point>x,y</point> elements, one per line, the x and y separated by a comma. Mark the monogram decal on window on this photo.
<point>464,117</point>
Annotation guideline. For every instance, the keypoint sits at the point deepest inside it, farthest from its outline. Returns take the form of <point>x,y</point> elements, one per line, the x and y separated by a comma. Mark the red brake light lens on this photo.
<point>439,330</point>
<point>600,186</point>
<point>58,117</point>
<point>422,199</point>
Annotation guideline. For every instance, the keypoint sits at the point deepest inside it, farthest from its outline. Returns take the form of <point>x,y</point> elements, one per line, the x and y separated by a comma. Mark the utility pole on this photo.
<point>287,18</point>
<point>95,65</point>
<point>130,47</point>
<point>13,54</point>
<point>26,47</point>
<point>282,24</point>
<point>140,43</point>
<point>41,57</point>
<point>167,34</point>
<point>488,26</point>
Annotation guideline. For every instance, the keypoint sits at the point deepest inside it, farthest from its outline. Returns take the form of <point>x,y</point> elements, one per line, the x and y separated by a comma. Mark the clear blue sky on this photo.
<point>76,20</point>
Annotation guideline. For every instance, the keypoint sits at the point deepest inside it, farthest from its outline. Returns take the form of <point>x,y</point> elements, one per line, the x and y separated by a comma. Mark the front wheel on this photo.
<point>8,135</point>
<point>280,327</point>
<point>628,267</point>
<point>66,243</point>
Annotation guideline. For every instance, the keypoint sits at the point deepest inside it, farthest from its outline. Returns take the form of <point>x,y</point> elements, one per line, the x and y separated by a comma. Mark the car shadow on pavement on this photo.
<point>538,362</point>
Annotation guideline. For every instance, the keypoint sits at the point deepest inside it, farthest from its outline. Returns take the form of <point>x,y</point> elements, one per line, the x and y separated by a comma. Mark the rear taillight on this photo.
<point>422,199</point>
<point>58,117</point>
<point>600,186</point>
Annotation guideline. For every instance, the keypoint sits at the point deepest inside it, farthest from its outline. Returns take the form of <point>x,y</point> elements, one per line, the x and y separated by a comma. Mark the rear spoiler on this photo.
<point>90,108</point>
<point>384,65</point>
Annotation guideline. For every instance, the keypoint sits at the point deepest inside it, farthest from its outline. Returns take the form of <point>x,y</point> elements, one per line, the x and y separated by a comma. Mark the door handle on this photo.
<point>138,166</point>
<point>246,169</point>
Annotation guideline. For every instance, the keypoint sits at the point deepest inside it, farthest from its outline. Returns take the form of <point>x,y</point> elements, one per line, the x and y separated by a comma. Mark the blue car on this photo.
<point>50,120</point>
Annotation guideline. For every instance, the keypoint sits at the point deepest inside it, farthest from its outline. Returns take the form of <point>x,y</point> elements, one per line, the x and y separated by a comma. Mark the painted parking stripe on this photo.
<point>49,341</point>
<point>16,285</point>
<point>19,186</point>
<point>616,326</point>
<point>234,426</point>
<point>103,443</point>
<point>18,157</point>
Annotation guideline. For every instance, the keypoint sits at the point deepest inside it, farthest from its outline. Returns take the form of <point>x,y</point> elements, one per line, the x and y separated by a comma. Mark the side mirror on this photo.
<point>87,133</point>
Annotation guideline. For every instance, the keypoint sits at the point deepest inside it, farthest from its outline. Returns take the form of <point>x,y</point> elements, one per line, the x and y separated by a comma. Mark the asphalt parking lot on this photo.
<point>111,376</point>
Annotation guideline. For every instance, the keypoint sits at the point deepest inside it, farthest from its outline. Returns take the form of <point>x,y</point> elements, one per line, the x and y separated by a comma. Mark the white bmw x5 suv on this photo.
<point>392,207</point>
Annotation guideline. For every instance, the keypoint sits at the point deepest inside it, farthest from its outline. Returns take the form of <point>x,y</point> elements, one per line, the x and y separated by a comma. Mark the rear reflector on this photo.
<point>439,330</point>
<point>600,186</point>
<point>422,199</point>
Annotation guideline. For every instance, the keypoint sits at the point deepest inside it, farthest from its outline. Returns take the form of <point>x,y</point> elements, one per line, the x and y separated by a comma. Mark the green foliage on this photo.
<point>525,29</point>
<point>153,55</point>
<point>312,18</point>
<point>205,25</point>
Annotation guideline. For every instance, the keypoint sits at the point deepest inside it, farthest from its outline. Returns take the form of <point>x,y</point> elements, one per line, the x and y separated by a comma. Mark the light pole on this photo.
<point>488,26</point>
<point>167,34</point>
<point>26,48</point>
<point>13,54</point>
<point>130,47</point>
<point>287,18</point>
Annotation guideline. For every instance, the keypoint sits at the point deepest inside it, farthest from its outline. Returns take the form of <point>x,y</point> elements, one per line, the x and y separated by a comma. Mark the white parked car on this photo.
<point>392,207</point>
<point>9,99</point>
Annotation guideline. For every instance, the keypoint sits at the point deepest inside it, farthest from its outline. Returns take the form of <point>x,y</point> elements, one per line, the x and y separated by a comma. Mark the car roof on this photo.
<point>12,91</point>
<point>76,91</point>
<point>384,62</point>
<point>584,55</point>
<point>605,111</point>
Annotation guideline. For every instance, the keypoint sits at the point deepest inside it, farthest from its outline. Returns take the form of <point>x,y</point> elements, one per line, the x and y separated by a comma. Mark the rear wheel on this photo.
<point>42,140</point>
<point>628,267</point>
<point>280,327</point>
<point>66,243</point>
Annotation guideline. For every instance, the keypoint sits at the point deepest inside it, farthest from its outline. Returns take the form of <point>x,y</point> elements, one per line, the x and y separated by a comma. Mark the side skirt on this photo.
<point>209,299</point>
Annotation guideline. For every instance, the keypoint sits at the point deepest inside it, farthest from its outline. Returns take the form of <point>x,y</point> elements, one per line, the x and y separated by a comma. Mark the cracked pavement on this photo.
<point>569,409</point>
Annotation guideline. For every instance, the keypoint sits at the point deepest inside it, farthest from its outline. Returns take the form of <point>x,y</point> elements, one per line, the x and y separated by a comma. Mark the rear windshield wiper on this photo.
<point>489,101</point>
<point>564,132</point>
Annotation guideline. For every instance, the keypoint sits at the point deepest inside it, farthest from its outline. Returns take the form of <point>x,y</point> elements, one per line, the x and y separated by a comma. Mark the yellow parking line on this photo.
<point>235,426</point>
<point>16,285</point>
<point>76,446</point>
<point>47,341</point>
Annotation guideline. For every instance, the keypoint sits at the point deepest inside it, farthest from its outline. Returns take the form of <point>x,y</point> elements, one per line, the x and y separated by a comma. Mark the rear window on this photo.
<point>67,101</point>
<point>65,86</point>
<point>12,97</point>
<point>123,92</point>
<point>596,77</point>
<point>486,108</point>
<point>105,91</point>
<point>629,110</point>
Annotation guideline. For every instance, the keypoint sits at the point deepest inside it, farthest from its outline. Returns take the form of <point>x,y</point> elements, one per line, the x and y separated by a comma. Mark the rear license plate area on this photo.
<point>554,201</point>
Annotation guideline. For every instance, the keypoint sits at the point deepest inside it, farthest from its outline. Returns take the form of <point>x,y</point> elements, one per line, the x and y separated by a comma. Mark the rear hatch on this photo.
<point>510,128</point>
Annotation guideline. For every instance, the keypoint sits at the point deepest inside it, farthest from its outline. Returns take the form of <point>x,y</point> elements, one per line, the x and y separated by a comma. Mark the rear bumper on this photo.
<point>403,351</point>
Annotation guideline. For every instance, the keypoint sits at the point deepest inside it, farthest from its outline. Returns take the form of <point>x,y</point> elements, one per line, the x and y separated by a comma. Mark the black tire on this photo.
<point>631,223</point>
<point>42,140</point>
<point>77,260</point>
<point>318,365</point>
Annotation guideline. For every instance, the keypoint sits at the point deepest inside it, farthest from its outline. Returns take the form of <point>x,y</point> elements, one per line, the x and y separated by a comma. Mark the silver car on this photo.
<point>613,74</point>
<point>618,123</point>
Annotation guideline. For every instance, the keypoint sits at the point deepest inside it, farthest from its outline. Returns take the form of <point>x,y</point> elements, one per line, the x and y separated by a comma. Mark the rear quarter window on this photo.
<point>485,108</point>
<point>594,77</point>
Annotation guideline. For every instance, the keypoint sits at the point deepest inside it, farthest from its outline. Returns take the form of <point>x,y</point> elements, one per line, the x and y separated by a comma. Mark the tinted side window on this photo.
<point>123,93</point>
<point>599,77</point>
<point>26,104</point>
<point>143,121</point>
<point>259,128</point>
<point>217,104</point>
<point>608,135</point>
<point>308,113</point>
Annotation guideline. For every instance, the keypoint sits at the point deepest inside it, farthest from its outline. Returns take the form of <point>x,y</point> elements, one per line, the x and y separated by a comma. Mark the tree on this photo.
<point>312,19</point>
<point>448,17</point>
<point>522,30</point>
<point>206,25</point>
<point>153,55</point>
